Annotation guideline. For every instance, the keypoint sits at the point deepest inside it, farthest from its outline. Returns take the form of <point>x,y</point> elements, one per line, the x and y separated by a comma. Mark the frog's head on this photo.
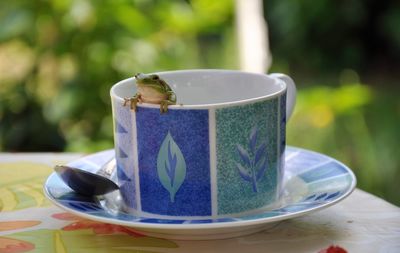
<point>147,80</point>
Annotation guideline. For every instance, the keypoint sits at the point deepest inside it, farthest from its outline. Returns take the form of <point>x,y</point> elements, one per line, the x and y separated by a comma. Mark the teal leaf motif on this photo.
<point>260,154</point>
<point>253,164</point>
<point>171,166</point>
<point>253,139</point>
<point>243,172</point>
<point>244,155</point>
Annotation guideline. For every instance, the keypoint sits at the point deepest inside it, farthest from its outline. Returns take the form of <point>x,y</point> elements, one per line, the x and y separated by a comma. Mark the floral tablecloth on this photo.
<point>30,223</point>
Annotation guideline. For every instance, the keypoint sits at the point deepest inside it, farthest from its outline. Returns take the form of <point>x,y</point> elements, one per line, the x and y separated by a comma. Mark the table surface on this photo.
<point>30,223</point>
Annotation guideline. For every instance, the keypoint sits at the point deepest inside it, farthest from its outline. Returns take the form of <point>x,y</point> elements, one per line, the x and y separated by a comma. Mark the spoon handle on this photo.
<point>108,169</point>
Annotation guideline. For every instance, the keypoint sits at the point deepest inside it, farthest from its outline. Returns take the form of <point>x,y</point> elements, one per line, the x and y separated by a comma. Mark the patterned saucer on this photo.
<point>312,182</point>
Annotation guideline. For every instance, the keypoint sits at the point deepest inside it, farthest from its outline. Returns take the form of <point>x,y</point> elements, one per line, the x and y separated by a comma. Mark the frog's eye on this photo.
<point>155,77</point>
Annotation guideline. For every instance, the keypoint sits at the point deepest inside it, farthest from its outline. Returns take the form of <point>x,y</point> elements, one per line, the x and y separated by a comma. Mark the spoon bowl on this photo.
<point>87,183</point>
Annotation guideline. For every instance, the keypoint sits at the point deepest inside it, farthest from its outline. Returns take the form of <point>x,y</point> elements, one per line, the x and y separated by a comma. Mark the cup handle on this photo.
<point>290,92</point>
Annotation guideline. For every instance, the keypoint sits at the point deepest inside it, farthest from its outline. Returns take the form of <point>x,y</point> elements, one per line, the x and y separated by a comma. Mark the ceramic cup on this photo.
<point>217,153</point>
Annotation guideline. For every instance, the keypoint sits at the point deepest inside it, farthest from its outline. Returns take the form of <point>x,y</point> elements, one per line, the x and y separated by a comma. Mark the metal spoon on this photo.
<point>88,183</point>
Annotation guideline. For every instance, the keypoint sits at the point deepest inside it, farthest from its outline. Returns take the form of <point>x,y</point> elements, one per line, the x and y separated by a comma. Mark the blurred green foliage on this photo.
<point>59,58</point>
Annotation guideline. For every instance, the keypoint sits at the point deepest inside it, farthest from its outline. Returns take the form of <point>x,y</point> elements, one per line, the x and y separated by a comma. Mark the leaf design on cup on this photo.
<point>253,139</point>
<point>253,163</point>
<point>171,166</point>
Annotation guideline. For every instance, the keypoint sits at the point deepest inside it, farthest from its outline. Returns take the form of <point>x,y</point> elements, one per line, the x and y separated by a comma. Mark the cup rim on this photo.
<point>204,106</point>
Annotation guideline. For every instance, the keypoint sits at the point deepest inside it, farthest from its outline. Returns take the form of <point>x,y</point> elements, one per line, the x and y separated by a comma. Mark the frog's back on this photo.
<point>166,86</point>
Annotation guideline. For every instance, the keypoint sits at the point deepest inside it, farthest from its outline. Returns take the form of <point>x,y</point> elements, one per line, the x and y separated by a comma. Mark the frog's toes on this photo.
<point>163,109</point>
<point>164,106</point>
<point>126,101</point>
<point>134,102</point>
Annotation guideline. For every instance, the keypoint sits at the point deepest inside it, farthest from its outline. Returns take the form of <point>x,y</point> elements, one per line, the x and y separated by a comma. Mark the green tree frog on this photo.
<point>152,89</point>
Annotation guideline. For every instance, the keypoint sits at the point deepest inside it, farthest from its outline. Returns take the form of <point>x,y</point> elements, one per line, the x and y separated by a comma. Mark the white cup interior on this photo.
<point>209,87</point>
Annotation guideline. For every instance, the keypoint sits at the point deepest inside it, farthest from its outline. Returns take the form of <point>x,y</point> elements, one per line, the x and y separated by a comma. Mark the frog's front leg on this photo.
<point>164,105</point>
<point>133,101</point>
<point>170,101</point>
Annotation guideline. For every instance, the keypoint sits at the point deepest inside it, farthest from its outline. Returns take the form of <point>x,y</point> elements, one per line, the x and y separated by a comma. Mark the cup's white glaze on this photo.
<point>197,89</point>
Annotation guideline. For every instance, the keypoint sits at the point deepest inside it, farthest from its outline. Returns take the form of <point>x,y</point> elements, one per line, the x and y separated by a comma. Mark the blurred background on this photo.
<point>59,58</point>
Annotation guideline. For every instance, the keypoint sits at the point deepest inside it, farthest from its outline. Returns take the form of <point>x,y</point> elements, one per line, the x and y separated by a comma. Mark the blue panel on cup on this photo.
<point>173,154</point>
<point>124,153</point>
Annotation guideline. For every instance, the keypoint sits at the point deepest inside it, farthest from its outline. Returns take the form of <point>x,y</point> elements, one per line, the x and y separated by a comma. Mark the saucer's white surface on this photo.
<point>312,182</point>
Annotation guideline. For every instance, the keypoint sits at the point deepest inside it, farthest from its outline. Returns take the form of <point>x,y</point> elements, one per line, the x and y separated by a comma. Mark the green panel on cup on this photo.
<point>247,155</point>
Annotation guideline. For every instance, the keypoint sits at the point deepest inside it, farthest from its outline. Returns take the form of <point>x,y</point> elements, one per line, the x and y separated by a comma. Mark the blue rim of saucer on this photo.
<point>312,182</point>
